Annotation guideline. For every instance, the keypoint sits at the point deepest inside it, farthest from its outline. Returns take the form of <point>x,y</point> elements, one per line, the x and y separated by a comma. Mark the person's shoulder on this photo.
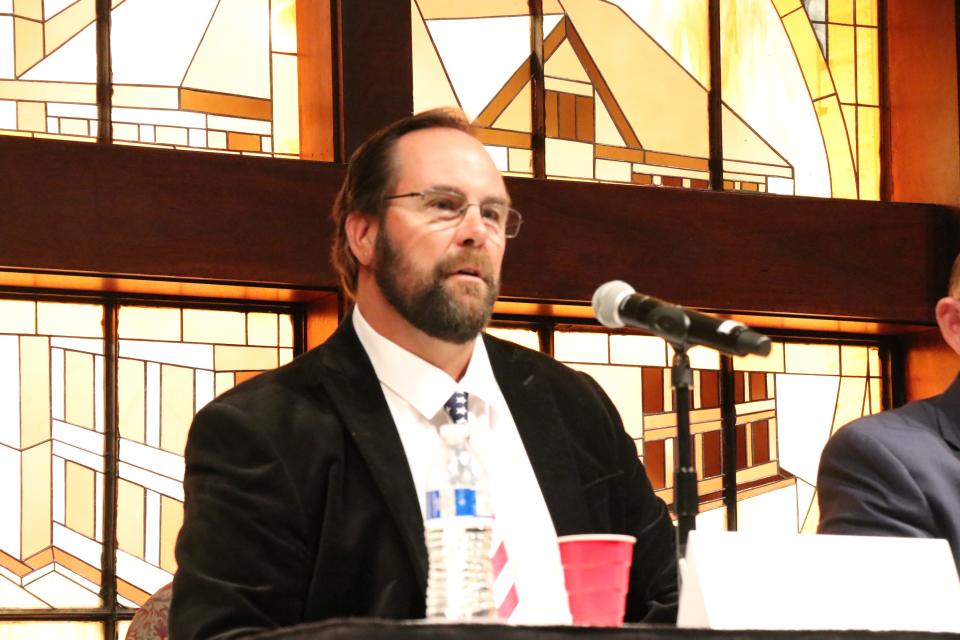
<point>512,353</point>
<point>913,422</point>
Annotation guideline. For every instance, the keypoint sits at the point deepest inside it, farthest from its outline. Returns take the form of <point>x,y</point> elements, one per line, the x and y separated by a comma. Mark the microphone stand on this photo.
<point>673,324</point>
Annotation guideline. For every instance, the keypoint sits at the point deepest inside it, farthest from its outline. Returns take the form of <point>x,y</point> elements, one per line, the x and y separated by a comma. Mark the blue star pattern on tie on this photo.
<point>456,407</point>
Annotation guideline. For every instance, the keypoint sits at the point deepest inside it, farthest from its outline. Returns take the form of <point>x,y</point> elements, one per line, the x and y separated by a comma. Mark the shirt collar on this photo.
<point>420,383</point>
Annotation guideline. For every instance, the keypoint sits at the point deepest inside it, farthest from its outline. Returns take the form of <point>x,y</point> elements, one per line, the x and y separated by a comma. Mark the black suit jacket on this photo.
<point>300,504</point>
<point>896,473</point>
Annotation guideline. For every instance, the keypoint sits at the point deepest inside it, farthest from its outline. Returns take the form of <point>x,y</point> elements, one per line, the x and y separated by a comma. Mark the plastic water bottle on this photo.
<point>458,531</point>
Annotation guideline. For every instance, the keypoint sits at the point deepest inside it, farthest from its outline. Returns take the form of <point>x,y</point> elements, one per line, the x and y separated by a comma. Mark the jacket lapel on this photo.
<point>353,388</point>
<point>541,428</point>
<point>948,414</point>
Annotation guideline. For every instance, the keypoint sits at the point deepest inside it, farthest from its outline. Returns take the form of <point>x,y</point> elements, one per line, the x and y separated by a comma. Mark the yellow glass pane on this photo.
<point>840,11</point>
<point>876,396</point>
<point>809,55</point>
<point>638,350</point>
<point>131,391</point>
<point>524,337</point>
<point>447,9</point>
<point>244,358</point>
<point>867,12</point>
<point>516,117</point>
<point>68,23</point>
<point>623,385</point>
<point>131,513</point>
<point>605,130</point>
<point>80,488</point>
<point>520,161</point>
<point>17,630</point>
<point>171,519</point>
<point>849,401</point>
<point>227,64</point>
<point>431,86</point>
<point>28,35</point>
<point>214,326</point>
<point>868,139</point>
<point>149,323</point>
<point>853,360</point>
<point>568,159</point>
<point>32,116</point>
<point>840,43</point>
<point>262,329</point>
<point>36,494</point>
<point>874,358</point>
<point>146,97</point>
<point>176,407</point>
<point>224,381</point>
<point>868,86</point>
<point>35,390</point>
<point>286,105</point>
<point>283,25</point>
<point>286,330</point>
<point>49,91</point>
<point>812,358</point>
<point>571,346</point>
<point>613,170</point>
<point>79,384</point>
<point>772,362</point>
<point>68,319</point>
<point>786,6</point>
<point>565,64</point>
<point>842,176</point>
<point>18,316</point>
<point>122,627</point>
<point>700,357</point>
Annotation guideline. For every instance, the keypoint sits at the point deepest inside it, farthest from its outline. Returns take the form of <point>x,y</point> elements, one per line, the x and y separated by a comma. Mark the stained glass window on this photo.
<point>172,362</point>
<point>52,444</point>
<point>201,74</point>
<point>455,65</point>
<point>786,406</point>
<point>812,97</point>
<point>800,100</point>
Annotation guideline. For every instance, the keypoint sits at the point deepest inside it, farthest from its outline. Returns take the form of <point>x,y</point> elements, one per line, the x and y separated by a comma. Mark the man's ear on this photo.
<point>361,235</point>
<point>948,317</point>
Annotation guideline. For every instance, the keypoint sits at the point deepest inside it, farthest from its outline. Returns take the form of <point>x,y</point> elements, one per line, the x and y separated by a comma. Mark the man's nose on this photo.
<point>472,228</point>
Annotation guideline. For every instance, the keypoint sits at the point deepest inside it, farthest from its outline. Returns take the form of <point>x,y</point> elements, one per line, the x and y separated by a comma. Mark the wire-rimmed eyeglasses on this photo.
<point>448,208</point>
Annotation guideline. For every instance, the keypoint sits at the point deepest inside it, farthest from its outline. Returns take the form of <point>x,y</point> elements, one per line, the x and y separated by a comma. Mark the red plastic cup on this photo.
<point>596,568</point>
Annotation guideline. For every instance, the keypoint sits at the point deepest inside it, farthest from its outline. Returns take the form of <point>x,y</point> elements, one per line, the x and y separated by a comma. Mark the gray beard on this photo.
<point>426,304</point>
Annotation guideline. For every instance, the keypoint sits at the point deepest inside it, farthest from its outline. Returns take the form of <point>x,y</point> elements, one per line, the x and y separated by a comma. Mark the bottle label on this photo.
<point>466,502</point>
<point>433,504</point>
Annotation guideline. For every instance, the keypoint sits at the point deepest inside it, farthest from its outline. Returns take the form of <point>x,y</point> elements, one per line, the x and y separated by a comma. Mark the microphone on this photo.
<point>617,304</point>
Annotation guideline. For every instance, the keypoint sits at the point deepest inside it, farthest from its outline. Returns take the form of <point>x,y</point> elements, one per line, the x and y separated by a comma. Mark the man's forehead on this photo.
<point>445,157</point>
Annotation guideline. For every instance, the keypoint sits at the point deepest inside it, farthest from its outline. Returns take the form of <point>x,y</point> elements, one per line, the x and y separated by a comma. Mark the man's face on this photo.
<point>442,280</point>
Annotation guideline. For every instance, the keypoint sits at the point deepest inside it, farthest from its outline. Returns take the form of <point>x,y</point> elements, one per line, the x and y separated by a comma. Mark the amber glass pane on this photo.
<point>47,71</point>
<point>454,65</point>
<point>51,455</point>
<point>173,362</point>
<point>812,57</point>
<point>207,75</point>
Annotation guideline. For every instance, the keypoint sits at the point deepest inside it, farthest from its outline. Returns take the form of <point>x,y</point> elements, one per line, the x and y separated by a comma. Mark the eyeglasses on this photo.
<point>448,208</point>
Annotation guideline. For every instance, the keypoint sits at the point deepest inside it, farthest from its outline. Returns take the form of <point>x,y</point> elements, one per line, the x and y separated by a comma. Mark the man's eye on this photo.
<point>443,203</point>
<point>491,213</point>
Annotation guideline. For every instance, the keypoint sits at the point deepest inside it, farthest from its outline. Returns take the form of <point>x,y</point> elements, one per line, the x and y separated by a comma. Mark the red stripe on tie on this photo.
<point>509,604</point>
<point>499,560</point>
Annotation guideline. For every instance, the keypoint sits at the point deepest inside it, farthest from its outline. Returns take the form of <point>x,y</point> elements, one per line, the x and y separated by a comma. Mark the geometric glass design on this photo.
<point>172,362</point>
<point>799,395</point>
<point>51,454</point>
<point>786,407</point>
<point>812,97</point>
<point>60,101</point>
<point>800,89</point>
<point>492,89</point>
<point>197,74</point>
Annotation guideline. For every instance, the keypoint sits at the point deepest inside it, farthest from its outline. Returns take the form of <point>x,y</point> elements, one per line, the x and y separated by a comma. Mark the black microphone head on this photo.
<point>607,300</point>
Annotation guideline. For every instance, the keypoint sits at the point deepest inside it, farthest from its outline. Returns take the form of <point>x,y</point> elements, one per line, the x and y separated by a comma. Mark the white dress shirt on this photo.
<point>416,392</point>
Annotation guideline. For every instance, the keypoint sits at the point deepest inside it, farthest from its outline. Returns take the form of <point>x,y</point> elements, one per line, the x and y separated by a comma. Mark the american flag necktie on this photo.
<point>504,583</point>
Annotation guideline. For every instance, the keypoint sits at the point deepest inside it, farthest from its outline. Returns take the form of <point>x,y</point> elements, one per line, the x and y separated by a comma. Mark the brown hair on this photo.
<point>370,178</point>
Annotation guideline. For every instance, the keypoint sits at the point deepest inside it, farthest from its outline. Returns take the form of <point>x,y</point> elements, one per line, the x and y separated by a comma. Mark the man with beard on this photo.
<point>304,486</point>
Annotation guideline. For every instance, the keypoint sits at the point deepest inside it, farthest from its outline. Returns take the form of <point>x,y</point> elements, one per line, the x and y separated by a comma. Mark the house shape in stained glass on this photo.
<point>607,117</point>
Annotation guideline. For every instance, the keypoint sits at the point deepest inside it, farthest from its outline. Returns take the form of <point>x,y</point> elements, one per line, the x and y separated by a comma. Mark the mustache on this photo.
<point>467,259</point>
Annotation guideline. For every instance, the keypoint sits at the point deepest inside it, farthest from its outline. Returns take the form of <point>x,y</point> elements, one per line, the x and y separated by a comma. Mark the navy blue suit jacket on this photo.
<point>896,473</point>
